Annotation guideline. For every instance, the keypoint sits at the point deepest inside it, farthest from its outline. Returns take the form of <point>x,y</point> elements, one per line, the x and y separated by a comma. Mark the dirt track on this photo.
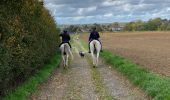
<point>148,49</point>
<point>78,83</point>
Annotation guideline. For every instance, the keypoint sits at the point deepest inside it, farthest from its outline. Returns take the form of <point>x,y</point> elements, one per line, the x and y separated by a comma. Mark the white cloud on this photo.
<point>112,3</point>
<point>127,7</point>
<point>165,13</point>
<point>80,11</point>
<point>108,15</point>
<point>89,11</point>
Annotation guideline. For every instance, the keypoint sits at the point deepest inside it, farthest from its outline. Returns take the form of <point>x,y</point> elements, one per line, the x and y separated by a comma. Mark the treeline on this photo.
<point>28,39</point>
<point>156,24</point>
<point>100,27</point>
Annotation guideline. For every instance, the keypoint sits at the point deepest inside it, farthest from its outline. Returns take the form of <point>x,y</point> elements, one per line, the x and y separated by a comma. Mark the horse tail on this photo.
<point>94,44</point>
<point>64,53</point>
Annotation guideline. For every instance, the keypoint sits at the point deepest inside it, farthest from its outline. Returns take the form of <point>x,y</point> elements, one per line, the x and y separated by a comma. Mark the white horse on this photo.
<point>95,48</point>
<point>65,52</point>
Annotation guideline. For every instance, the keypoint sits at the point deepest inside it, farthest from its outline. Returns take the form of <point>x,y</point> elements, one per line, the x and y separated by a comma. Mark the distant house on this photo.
<point>119,28</point>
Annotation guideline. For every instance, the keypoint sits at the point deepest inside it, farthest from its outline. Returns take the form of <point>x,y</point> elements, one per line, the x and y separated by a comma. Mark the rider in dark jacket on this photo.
<point>94,35</point>
<point>65,38</point>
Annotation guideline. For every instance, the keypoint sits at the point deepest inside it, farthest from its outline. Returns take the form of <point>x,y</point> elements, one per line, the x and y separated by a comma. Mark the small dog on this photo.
<point>82,54</point>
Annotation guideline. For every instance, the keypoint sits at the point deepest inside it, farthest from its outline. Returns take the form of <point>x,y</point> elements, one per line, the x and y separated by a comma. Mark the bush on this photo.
<point>28,39</point>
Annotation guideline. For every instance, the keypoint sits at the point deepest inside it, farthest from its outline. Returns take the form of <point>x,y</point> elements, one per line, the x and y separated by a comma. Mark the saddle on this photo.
<point>93,39</point>
<point>64,53</point>
<point>65,42</point>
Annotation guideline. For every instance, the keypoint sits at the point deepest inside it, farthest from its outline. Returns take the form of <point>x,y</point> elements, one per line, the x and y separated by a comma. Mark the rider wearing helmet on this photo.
<point>65,37</point>
<point>94,35</point>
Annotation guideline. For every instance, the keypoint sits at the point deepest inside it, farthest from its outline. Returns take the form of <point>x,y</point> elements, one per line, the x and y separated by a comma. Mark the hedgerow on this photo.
<point>28,39</point>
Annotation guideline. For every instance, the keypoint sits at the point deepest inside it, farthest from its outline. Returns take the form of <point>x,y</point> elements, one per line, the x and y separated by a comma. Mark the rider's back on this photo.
<point>65,37</point>
<point>94,35</point>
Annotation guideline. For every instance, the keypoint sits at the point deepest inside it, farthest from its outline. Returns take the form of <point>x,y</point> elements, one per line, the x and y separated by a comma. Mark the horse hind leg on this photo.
<point>97,58</point>
<point>92,55</point>
<point>71,54</point>
<point>67,60</point>
<point>64,62</point>
<point>97,54</point>
<point>94,61</point>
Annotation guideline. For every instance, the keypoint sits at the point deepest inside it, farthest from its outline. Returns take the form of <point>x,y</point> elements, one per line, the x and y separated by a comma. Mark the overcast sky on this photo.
<point>106,11</point>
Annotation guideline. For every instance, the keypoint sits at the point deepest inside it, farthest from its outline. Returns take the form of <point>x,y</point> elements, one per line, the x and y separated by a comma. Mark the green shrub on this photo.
<point>28,39</point>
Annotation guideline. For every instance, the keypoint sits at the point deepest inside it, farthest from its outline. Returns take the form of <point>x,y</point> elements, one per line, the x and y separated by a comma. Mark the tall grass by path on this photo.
<point>31,85</point>
<point>154,85</point>
<point>99,85</point>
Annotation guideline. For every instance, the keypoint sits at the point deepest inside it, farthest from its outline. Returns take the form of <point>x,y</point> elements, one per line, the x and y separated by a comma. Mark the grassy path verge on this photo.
<point>31,85</point>
<point>156,86</point>
<point>99,86</point>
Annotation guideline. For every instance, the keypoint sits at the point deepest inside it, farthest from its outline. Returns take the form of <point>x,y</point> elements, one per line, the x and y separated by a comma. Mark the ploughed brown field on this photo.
<point>148,49</point>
